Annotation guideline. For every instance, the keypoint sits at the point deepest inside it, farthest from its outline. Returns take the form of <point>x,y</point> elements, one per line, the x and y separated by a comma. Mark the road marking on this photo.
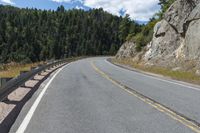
<point>149,76</point>
<point>194,126</point>
<point>29,115</point>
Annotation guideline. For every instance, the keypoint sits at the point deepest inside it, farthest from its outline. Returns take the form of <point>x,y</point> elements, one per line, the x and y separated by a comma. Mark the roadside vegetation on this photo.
<point>186,76</point>
<point>28,36</point>
<point>13,69</point>
<point>33,35</point>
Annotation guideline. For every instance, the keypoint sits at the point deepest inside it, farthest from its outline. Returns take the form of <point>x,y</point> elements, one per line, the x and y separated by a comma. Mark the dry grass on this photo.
<point>190,77</point>
<point>12,70</point>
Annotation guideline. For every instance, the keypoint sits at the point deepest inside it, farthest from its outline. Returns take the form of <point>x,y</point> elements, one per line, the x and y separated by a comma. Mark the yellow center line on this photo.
<point>172,114</point>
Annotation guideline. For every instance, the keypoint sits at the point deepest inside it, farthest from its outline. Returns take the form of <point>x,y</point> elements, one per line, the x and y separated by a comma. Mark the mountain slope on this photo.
<point>175,41</point>
<point>30,35</point>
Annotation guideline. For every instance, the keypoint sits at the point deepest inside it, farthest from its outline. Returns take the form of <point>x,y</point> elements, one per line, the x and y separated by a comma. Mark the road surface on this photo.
<point>95,96</point>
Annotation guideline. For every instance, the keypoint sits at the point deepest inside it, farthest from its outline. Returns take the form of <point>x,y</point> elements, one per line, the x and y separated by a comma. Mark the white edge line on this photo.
<point>194,88</point>
<point>30,113</point>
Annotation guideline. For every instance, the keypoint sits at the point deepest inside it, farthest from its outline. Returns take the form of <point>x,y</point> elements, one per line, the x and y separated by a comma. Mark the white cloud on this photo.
<point>60,1</point>
<point>79,7</point>
<point>137,9</point>
<point>7,2</point>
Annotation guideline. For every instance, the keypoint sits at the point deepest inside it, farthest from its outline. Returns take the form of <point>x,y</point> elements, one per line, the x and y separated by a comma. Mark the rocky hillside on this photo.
<point>176,39</point>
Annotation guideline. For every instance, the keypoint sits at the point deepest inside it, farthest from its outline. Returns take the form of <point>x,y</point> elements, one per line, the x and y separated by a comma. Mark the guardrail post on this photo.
<point>3,81</point>
<point>33,68</point>
<point>40,65</point>
<point>22,73</point>
<point>9,86</point>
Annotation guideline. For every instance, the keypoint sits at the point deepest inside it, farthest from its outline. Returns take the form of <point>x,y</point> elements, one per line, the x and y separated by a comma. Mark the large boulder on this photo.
<point>178,13</point>
<point>192,38</point>
<point>177,36</point>
<point>164,42</point>
<point>192,41</point>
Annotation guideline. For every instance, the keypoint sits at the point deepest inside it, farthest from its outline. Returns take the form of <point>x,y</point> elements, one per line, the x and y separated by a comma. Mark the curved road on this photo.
<point>95,96</point>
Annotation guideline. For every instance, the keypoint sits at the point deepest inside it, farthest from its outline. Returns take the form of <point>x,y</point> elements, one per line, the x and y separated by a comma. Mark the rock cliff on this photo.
<point>176,38</point>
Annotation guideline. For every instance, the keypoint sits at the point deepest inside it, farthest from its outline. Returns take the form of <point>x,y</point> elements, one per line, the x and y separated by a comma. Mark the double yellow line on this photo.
<point>174,115</point>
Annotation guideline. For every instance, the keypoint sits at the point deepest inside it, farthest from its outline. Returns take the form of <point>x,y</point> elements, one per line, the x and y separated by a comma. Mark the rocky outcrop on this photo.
<point>176,38</point>
<point>178,13</point>
<point>164,42</point>
<point>192,38</point>
<point>127,50</point>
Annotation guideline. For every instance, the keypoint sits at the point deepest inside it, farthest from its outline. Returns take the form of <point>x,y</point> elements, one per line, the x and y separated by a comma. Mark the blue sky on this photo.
<point>140,10</point>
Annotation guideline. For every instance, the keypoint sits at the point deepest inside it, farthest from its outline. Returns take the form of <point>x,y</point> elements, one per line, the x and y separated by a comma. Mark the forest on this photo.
<point>32,35</point>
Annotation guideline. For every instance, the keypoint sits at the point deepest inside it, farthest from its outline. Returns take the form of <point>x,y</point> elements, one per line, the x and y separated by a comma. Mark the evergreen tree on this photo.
<point>124,28</point>
<point>30,35</point>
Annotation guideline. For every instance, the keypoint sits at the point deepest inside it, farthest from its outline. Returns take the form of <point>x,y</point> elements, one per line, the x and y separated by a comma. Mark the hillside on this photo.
<point>175,43</point>
<point>32,35</point>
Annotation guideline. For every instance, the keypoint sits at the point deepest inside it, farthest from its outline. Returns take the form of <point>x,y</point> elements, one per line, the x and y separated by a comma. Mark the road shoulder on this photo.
<point>153,75</point>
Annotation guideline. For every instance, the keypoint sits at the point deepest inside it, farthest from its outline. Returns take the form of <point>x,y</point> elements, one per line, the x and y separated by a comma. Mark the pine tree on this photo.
<point>124,28</point>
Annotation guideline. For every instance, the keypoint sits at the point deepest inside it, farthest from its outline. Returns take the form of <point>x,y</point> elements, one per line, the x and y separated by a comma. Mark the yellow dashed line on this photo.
<point>190,124</point>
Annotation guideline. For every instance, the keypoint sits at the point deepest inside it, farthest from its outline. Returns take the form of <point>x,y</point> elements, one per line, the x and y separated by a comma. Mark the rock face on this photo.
<point>164,42</point>
<point>192,38</point>
<point>176,38</point>
<point>178,13</point>
<point>127,50</point>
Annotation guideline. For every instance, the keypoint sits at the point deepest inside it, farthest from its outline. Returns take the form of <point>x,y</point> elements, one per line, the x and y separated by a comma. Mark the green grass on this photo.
<point>190,77</point>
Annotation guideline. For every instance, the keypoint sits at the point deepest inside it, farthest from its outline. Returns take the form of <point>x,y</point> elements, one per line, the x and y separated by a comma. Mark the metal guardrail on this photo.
<point>16,82</point>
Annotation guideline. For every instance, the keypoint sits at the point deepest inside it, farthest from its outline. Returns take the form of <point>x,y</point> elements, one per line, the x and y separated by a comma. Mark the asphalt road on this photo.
<point>87,96</point>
